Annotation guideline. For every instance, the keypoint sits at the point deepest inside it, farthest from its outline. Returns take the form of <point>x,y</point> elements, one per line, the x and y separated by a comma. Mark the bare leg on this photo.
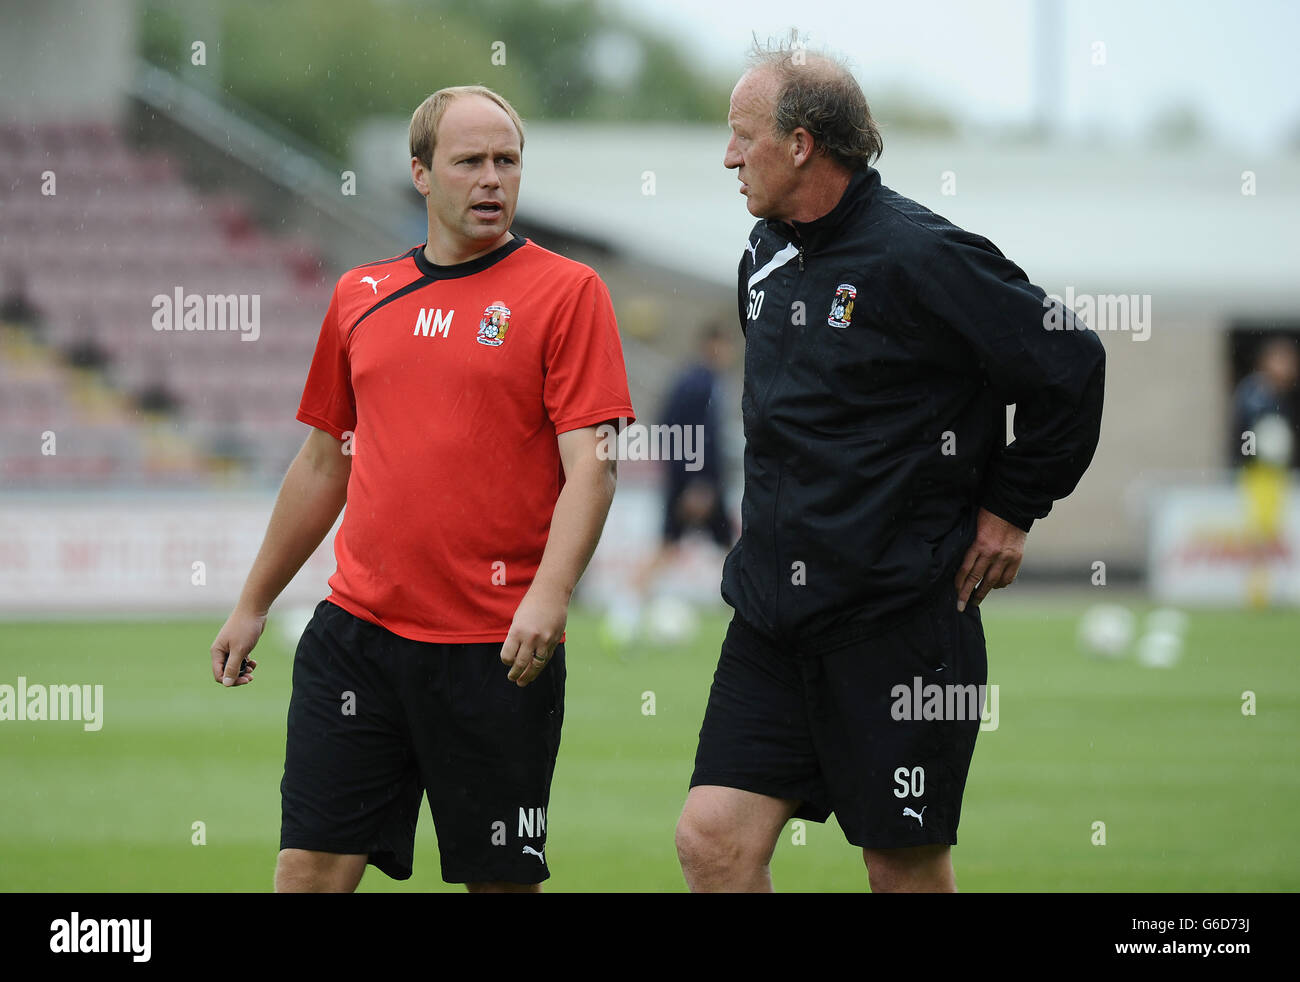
<point>305,871</point>
<point>500,887</point>
<point>726,837</point>
<point>664,556</point>
<point>919,869</point>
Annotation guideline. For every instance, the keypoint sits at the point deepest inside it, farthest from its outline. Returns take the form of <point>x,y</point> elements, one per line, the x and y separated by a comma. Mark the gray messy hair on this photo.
<point>817,91</point>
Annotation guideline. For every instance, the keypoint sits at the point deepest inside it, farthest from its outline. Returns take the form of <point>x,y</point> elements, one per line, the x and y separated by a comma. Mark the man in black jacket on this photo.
<point>881,502</point>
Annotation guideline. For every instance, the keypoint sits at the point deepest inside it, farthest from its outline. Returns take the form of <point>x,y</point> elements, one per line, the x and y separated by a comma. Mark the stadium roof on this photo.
<point>1173,223</point>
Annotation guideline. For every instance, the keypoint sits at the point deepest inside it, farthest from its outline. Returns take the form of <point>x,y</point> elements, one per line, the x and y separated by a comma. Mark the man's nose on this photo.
<point>731,158</point>
<point>489,178</point>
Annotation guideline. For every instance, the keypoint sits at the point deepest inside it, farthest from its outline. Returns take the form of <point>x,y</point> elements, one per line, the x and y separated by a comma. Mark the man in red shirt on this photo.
<point>454,396</point>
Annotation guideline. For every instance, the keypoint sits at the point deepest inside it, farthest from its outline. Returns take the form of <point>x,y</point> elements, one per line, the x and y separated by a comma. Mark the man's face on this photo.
<point>1281,366</point>
<point>721,352</point>
<point>474,182</point>
<point>762,160</point>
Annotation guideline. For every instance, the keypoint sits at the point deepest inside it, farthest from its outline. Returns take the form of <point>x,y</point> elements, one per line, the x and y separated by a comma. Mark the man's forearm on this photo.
<point>309,501</point>
<point>576,524</point>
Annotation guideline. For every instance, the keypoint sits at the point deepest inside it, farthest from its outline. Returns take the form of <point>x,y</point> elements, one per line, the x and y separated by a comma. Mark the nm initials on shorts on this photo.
<point>530,819</point>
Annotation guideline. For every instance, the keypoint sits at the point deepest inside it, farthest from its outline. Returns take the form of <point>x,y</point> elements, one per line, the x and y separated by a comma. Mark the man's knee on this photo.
<point>705,842</point>
<point>306,871</point>
<point>919,869</point>
<point>503,887</point>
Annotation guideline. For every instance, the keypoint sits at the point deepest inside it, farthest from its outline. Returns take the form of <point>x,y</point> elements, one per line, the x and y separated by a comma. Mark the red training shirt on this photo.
<point>451,384</point>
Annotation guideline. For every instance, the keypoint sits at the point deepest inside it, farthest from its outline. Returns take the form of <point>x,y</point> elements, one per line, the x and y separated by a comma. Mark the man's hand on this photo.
<point>235,641</point>
<point>535,631</point>
<point>993,559</point>
<point>314,491</point>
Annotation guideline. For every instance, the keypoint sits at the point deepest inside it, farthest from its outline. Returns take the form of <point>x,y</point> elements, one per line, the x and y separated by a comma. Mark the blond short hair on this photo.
<point>425,119</point>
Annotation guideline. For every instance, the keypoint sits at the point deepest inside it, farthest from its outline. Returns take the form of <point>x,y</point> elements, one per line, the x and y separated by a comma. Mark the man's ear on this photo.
<point>420,176</point>
<point>802,146</point>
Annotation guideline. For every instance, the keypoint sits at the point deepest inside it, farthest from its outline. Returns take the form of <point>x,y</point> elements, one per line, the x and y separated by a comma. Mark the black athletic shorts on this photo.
<point>717,524</point>
<point>851,728</point>
<point>377,721</point>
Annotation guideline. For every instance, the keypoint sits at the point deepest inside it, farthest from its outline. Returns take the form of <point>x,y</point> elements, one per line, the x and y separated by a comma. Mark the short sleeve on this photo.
<point>585,376</point>
<point>328,402</point>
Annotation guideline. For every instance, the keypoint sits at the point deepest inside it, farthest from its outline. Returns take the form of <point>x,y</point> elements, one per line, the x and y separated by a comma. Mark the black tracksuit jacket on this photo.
<point>882,345</point>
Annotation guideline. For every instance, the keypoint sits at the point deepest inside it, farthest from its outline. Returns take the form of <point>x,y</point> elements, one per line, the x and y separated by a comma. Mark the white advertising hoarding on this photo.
<point>1207,547</point>
<point>138,553</point>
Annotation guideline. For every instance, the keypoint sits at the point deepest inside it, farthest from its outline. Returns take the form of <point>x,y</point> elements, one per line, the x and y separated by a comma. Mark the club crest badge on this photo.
<point>492,327</point>
<point>842,305</point>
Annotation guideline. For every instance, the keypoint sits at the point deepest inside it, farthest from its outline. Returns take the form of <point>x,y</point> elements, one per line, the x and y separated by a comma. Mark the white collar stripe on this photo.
<point>777,261</point>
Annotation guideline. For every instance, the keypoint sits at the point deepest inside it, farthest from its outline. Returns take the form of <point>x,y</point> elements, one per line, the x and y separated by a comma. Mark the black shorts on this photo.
<point>850,728</point>
<point>377,721</point>
<point>716,524</point>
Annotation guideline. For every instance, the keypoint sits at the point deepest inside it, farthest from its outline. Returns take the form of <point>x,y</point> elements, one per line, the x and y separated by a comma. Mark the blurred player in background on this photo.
<point>455,396</point>
<point>882,346</point>
<point>695,497</point>
<point>1268,391</point>
<point>695,491</point>
<point>1263,434</point>
<point>16,307</point>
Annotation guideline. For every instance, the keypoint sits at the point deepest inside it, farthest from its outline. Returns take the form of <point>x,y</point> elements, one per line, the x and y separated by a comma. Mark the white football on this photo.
<point>1273,439</point>
<point>1107,630</point>
<point>1160,649</point>
<point>671,620</point>
<point>1170,620</point>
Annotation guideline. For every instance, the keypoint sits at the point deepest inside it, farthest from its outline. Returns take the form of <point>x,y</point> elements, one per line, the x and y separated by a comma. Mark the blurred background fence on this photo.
<point>259,150</point>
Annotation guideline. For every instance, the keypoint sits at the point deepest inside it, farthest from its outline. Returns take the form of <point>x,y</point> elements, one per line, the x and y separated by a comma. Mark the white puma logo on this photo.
<point>908,813</point>
<point>530,849</point>
<point>374,283</point>
<point>753,250</point>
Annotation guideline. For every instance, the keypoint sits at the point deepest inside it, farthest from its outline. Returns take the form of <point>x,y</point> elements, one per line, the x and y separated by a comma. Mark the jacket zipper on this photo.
<point>780,469</point>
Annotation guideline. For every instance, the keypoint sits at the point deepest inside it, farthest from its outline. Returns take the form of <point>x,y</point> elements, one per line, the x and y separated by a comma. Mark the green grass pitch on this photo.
<point>1195,796</point>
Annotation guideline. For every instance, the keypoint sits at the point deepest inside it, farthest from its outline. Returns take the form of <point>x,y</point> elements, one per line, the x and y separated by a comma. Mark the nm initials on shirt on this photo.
<point>432,321</point>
